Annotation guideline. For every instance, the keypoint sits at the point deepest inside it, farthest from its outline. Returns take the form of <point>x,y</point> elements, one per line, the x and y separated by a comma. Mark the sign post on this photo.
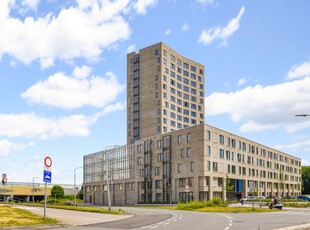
<point>47,178</point>
<point>4,181</point>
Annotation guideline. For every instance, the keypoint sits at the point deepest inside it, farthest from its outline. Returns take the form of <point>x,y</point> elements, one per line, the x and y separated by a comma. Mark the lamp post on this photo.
<point>260,189</point>
<point>74,189</point>
<point>33,187</point>
<point>107,172</point>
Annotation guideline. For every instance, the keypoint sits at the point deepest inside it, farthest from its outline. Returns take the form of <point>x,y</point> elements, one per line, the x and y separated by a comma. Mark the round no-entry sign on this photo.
<point>48,162</point>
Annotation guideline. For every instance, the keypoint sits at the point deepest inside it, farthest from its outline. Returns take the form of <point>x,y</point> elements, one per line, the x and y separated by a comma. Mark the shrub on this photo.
<point>217,202</point>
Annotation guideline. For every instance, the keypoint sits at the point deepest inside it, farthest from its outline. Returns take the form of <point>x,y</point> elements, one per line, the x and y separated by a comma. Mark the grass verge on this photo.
<point>77,208</point>
<point>217,205</point>
<point>18,217</point>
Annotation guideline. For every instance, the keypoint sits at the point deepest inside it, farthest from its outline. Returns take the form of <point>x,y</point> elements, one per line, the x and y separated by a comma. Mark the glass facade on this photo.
<point>118,163</point>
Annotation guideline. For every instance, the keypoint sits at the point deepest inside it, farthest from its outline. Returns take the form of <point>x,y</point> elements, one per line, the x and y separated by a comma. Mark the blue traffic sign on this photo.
<point>47,176</point>
<point>261,184</point>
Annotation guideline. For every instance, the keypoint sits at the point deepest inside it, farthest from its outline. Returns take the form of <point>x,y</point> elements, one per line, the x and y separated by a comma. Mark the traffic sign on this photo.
<point>47,176</point>
<point>48,162</point>
<point>261,184</point>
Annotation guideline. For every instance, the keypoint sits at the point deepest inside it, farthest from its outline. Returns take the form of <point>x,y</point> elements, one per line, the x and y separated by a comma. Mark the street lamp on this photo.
<point>75,184</point>
<point>33,187</point>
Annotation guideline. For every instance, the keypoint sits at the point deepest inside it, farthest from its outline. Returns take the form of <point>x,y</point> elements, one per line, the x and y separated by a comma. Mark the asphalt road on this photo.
<point>146,218</point>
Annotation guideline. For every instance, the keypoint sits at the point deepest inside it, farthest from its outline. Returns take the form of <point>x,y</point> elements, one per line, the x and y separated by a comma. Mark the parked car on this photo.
<point>261,197</point>
<point>248,198</point>
<point>304,198</point>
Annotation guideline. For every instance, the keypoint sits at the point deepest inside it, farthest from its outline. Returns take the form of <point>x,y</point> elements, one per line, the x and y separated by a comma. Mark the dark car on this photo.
<point>304,198</point>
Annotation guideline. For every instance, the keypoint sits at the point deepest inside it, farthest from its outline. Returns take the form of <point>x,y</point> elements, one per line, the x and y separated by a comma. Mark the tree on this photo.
<point>80,194</point>
<point>305,177</point>
<point>57,191</point>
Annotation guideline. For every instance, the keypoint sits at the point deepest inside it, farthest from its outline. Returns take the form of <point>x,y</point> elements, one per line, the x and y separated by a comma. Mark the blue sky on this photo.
<point>63,73</point>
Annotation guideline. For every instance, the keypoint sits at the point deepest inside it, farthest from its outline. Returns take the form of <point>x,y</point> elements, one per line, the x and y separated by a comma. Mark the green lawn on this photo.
<point>18,217</point>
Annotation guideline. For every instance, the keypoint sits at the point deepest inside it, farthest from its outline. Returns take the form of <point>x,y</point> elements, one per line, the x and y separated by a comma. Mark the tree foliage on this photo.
<point>57,191</point>
<point>305,176</point>
<point>80,194</point>
<point>229,185</point>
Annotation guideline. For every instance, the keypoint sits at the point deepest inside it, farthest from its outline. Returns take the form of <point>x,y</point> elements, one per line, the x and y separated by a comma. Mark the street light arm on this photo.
<point>302,115</point>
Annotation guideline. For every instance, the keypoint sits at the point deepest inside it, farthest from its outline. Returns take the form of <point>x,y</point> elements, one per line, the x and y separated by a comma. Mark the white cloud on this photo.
<point>210,2</point>
<point>168,31</point>
<point>295,146</point>
<point>299,71</point>
<point>32,4</point>
<point>260,108</point>
<point>82,31</point>
<point>7,147</point>
<point>70,92</point>
<point>208,36</point>
<point>31,125</point>
<point>185,27</point>
<point>241,81</point>
<point>81,72</point>
<point>141,5</point>
<point>131,48</point>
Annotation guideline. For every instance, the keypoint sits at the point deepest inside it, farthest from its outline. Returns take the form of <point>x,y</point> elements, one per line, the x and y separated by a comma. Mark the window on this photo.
<point>215,166</point>
<point>209,165</point>
<point>192,167</point>
<point>179,168</point>
<point>221,138</point>
<point>221,153</point>
<point>158,183</point>
<point>159,144</point>
<point>139,160</point>
<point>157,170</point>
<point>220,182</point>
<point>188,152</point>
<point>179,62</point>
<point>179,139</point>
<point>182,153</point>
<point>233,169</point>
<point>141,172</point>
<point>227,155</point>
<point>193,68</point>
<point>188,137</point>
<point>139,148</point>
<point>181,182</point>
<point>159,157</point>
<point>209,150</point>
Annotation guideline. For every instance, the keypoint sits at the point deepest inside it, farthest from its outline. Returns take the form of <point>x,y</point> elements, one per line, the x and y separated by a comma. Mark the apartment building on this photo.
<point>171,155</point>
<point>190,164</point>
<point>165,92</point>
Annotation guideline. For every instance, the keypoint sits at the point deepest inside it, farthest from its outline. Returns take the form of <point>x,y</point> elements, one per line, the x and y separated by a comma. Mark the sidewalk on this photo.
<point>74,218</point>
